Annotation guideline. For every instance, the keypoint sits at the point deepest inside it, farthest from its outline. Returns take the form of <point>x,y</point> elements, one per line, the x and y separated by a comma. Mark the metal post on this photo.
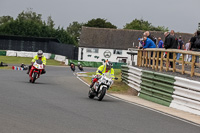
<point>199,26</point>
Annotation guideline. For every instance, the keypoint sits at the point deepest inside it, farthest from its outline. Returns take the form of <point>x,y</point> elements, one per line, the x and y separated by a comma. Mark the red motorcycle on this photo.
<point>36,70</point>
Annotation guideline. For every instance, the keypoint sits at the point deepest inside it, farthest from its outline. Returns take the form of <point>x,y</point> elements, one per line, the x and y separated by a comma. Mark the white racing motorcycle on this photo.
<point>101,86</point>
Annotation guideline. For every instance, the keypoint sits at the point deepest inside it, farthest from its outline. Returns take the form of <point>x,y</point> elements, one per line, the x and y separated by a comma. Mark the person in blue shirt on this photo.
<point>148,43</point>
<point>160,43</point>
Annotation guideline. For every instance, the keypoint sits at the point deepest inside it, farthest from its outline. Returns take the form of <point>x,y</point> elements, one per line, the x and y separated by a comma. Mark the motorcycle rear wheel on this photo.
<point>90,94</point>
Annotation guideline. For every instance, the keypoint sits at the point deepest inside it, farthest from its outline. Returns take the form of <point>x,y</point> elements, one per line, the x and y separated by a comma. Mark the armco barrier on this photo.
<point>25,54</point>
<point>186,95</point>
<point>175,92</point>
<point>11,53</point>
<point>159,89</point>
<point>2,53</point>
<point>60,58</point>
<point>117,65</point>
<point>85,63</point>
<point>131,76</point>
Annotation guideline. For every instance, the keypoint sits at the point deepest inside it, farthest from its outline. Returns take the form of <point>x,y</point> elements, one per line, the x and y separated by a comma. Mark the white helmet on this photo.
<point>40,53</point>
<point>109,65</point>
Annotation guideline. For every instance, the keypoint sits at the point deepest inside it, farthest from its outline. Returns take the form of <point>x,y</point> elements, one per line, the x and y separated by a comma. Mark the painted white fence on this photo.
<point>186,95</point>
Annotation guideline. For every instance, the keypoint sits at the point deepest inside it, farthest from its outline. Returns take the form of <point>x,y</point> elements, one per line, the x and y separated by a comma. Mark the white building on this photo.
<point>102,54</point>
<point>100,44</point>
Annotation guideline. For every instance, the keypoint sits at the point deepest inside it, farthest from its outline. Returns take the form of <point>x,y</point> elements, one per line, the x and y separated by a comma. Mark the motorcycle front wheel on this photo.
<point>101,93</point>
<point>34,77</point>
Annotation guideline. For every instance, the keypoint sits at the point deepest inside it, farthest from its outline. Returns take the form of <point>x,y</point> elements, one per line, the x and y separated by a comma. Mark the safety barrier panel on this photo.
<point>131,76</point>
<point>175,92</point>
<point>157,87</point>
<point>186,95</point>
<point>85,63</point>
<point>25,54</point>
<point>2,53</point>
<point>11,53</point>
<point>60,58</point>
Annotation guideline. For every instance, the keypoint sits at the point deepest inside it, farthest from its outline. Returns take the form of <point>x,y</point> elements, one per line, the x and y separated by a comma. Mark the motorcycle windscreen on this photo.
<point>38,61</point>
<point>108,75</point>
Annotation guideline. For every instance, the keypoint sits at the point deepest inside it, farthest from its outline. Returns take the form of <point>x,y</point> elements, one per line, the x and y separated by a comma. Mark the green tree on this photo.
<point>63,36</point>
<point>50,22</point>
<point>29,23</point>
<point>5,19</point>
<point>29,15</point>
<point>74,30</point>
<point>100,23</point>
<point>143,25</point>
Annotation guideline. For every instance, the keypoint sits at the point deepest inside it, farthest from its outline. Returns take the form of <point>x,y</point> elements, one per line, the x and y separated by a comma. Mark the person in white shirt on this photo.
<point>187,47</point>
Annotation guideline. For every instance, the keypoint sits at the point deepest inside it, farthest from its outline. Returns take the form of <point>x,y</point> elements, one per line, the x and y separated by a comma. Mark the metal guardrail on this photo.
<point>175,92</point>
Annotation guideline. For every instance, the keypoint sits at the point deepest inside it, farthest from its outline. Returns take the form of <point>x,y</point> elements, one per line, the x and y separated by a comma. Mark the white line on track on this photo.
<point>175,117</point>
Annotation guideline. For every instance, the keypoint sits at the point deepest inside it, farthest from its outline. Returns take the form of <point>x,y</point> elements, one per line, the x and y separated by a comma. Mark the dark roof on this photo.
<point>116,38</point>
<point>41,39</point>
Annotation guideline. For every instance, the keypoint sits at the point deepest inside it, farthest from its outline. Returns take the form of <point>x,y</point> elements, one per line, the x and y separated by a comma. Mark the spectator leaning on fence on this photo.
<point>149,44</point>
<point>195,44</point>
<point>170,43</point>
<point>148,34</point>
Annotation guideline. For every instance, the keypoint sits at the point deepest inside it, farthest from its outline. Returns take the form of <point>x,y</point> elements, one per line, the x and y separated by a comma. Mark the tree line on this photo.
<point>30,24</point>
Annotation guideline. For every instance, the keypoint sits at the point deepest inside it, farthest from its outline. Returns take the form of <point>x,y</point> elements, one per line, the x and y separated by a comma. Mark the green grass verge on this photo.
<point>6,67</point>
<point>117,87</point>
<point>26,60</point>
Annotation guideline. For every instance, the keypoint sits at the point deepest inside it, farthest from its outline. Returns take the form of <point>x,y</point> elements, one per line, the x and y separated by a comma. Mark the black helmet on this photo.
<point>40,53</point>
<point>109,65</point>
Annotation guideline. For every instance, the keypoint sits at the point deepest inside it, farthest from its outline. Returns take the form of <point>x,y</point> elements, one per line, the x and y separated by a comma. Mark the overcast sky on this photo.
<point>180,15</point>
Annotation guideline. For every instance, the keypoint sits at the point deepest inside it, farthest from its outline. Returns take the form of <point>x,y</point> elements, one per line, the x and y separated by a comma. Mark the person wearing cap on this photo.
<point>107,68</point>
<point>41,57</point>
<point>141,43</point>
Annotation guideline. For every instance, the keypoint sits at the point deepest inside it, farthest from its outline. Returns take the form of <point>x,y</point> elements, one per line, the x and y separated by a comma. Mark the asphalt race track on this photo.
<point>58,103</point>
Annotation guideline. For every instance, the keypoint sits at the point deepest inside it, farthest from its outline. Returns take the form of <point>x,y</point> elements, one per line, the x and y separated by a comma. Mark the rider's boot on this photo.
<point>92,85</point>
<point>29,68</point>
<point>28,71</point>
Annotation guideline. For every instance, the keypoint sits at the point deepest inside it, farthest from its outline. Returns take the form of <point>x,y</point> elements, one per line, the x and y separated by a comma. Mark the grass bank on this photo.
<point>26,60</point>
<point>117,87</point>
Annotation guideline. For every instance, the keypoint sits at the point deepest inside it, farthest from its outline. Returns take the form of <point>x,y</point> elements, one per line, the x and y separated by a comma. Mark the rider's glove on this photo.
<point>98,76</point>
